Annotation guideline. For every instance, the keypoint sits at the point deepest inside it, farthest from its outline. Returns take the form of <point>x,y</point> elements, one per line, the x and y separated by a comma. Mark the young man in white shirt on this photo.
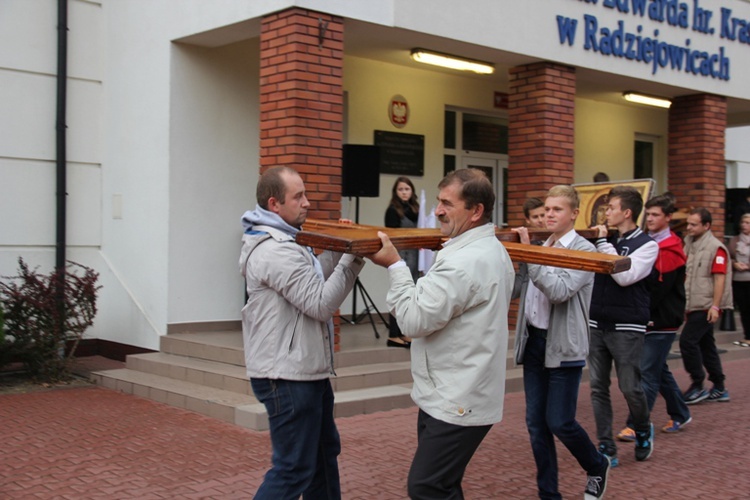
<point>552,343</point>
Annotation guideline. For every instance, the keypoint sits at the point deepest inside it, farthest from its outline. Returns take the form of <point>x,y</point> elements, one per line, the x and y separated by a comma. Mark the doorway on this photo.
<point>495,170</point>
<point>477,139</point>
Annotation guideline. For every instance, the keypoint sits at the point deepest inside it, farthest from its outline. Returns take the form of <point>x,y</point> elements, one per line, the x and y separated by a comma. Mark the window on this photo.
<point>644,156</point>
<point>488,134</point>
<point>473,139</point>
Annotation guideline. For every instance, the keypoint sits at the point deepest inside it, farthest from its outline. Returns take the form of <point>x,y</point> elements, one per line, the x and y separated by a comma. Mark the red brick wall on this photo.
<point>540,135</point>
<point>301,105</point>
<point>696,175</point>
<point>301,102</point>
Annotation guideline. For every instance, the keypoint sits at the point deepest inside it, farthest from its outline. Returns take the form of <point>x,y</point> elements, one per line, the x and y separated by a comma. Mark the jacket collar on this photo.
<point>470,236</point>
<point>275,233</point>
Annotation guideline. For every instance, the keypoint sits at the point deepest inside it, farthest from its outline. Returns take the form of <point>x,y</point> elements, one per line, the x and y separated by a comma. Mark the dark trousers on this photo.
<point>551,400</point>
<point>698,348</point>
<point>741,293</point>
<point>624,348</point>
<point>443,452</point>
<point>304,439</point>
<point>658,379</point>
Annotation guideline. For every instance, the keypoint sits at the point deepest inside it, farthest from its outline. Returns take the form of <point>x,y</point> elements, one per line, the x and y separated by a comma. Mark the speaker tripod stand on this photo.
<point>359,287</point>
<point>369,306</point>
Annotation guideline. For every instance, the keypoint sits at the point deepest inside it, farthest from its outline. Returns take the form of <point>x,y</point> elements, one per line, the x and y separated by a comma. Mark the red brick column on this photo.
<point>697,172</point>
<point>301,102</point>
<point>540,137</point>
<point>540,131</point>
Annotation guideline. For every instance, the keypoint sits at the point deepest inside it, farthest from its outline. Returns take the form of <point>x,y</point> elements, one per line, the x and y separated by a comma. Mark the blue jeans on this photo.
<point>551,399</point>
<point>657,379</point>
<point>625,349</point>
<point>304,439</point>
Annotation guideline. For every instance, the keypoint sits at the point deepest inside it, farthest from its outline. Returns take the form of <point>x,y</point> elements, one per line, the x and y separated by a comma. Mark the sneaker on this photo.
<point>597,485</point>
<point>675,426</point>
<point>644,444</point>
<point>721,395</point>
<point>610,454</point>
<point>627,435</point>
<point>694,395</point>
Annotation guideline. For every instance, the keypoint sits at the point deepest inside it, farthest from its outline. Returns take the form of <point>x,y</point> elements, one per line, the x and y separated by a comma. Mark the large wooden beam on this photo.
<point>363,240</point>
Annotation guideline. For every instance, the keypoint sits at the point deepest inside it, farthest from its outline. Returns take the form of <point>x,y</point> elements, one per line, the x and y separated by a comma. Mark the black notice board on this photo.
<point>401,154</point>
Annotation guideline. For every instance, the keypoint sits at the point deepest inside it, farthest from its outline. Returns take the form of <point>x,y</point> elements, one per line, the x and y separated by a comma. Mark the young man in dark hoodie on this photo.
<point>667,284</point>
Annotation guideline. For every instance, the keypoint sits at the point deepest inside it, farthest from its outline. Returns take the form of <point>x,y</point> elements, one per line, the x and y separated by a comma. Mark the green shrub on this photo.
<point>43,314</point>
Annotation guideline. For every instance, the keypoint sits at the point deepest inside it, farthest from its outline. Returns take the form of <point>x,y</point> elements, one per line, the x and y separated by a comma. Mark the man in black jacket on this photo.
<point>620,311</point>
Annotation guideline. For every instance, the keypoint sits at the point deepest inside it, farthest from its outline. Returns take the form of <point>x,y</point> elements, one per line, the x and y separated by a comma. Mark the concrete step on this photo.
<point>370,355</point>
<point>209,401</point>
<point>226,347</point>
<point>231,377</point>
<point>204,372</point>
<point>242,409</point>
<point>226,376</point>
<point>347,404</point>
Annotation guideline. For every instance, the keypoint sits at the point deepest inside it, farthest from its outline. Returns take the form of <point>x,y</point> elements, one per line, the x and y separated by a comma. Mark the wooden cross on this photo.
<point>363,240</point>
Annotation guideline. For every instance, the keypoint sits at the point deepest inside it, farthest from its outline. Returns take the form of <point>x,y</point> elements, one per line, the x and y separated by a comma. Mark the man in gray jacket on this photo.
<point>552,343</point>
<point>457,316</point>
<point>288,336</point>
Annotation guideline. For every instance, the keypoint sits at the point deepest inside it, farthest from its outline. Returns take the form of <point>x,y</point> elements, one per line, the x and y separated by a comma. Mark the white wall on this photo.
<point>738,144</point>
<point>738,157</point>
<point>122,101</point>
<point>136,162</point>
<point>27,129</point>
<point>604,138</point>
<point>28,67</point>
<point>213,173</point>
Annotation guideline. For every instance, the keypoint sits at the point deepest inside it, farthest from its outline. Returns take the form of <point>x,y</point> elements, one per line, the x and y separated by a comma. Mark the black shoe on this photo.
<point>718,395</point>
<point>597,485</point>
<point>611,454</point>
<point>644,443</point>
<point>403,343</point>
<point>695,394</point>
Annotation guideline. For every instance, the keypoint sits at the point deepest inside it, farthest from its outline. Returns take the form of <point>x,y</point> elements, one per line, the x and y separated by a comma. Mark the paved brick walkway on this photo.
<point>95,443</point>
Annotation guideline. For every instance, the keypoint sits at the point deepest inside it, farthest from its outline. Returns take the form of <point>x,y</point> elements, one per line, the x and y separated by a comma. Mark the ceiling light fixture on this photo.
<point>647,99</point>
<point>453,62</point>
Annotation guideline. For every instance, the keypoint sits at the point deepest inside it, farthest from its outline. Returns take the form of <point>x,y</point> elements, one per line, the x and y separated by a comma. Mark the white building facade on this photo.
<point>175,107</point>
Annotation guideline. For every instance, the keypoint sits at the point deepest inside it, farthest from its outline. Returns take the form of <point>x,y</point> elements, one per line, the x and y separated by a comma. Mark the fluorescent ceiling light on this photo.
<point>647,99</point>
<point>453,62</point>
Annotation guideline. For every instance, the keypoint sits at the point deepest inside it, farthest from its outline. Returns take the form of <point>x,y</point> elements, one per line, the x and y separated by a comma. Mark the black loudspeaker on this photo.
<point>360,171</point>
